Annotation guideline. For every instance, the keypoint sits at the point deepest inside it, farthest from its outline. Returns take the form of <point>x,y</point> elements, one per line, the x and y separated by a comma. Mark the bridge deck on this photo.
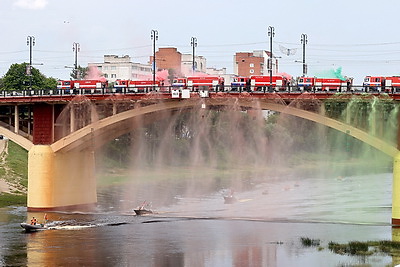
<point>44,96</point>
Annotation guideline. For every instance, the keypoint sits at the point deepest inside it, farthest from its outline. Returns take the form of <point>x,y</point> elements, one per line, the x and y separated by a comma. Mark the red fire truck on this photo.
<point>380,83</point>
<point>195,83</point>
<point>75,86</point>
<point>136,86</point>
<point>262,83</point>
<point>240,83</point>
<point>322,84</point>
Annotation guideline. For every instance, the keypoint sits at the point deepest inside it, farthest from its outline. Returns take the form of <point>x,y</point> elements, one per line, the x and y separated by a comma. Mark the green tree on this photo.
<point>50,83</point>
<point>17,78</point>
<point>79,73</point>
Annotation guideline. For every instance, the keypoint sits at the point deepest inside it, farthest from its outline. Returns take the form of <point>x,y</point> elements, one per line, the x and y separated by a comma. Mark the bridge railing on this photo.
<point>171,89</point>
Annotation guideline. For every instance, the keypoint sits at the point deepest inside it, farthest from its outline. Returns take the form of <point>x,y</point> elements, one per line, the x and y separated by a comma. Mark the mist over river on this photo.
<point>196,227</point>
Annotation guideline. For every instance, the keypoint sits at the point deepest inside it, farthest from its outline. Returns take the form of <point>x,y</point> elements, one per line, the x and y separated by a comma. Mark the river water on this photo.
<point>263,228</point>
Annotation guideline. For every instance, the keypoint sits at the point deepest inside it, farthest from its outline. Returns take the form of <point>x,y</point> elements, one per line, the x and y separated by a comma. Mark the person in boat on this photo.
<point>45,218</point>
<point>33,221</point>
<point>142,206</point>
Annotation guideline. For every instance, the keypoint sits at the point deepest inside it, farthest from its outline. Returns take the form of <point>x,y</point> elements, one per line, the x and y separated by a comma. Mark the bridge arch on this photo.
<point>16,138</point>
<point>122,122</point>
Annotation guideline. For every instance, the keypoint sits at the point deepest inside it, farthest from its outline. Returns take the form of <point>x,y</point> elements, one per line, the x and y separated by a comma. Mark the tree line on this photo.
<point>24,77</point>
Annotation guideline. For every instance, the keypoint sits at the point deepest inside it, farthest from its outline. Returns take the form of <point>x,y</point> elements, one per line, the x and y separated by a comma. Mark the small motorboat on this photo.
<point>230,199</point>
<point>143,211</point>
<point>33,227</point>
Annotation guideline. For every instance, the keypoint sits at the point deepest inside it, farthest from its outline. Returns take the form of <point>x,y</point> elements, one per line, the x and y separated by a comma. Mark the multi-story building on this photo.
<point>115,67</point>
<point>245,64</point>
<point>254,63</point>
<point>200,64</point>
<point>168,58</point>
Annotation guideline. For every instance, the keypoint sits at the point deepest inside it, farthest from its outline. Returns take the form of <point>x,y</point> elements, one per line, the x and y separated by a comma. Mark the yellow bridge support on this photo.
<point>396,191</point>
<point>60,181</point>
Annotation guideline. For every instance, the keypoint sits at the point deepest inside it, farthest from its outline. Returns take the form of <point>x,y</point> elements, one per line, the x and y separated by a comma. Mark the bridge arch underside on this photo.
<point>100,132</point>
<point>16,138</point>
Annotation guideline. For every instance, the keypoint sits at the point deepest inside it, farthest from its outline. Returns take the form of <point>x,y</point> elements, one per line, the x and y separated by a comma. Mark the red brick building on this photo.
<point>168,58</point>
<point>253,63</point>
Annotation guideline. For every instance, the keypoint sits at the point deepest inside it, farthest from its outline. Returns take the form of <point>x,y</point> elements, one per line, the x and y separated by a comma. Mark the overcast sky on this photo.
<point>360,37</point>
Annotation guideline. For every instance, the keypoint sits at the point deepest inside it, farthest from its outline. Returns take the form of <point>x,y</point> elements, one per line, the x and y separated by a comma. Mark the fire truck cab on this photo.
<point>240,83</point>
<point>374,83</point>
<point>305,83</point>
<point>382,84</point>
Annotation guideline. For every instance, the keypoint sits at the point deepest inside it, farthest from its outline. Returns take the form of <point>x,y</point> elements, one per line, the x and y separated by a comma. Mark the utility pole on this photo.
<point>76,48</point>
<point>193,43</point>
<point>271,34</point>
<point>30,40</point>
<point>154,37</point>
<point>304,42</point>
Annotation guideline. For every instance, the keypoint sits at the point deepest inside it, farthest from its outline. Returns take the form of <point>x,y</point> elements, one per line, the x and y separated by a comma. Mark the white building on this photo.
<point>200,63</point>
<point>264,54</point>
<point>115,67</point>
<point>222,73</point>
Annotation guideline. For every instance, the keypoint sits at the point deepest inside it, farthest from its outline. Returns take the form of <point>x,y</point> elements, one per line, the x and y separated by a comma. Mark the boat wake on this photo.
<point>71,225</point>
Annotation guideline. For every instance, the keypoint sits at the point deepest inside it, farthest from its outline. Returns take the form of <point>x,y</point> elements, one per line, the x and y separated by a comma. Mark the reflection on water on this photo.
<point>263,228</point>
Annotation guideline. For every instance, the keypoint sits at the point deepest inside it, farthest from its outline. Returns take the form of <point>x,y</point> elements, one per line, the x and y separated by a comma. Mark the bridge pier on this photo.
<point>396,181</point>
<point>396,191</point>
<point>60,181</point>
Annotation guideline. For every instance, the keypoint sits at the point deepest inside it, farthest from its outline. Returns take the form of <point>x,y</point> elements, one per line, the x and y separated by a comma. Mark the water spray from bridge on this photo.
<point>204,148</point>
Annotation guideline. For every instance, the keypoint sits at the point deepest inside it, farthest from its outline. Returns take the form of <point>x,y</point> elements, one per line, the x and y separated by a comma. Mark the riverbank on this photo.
<point>13,174</point>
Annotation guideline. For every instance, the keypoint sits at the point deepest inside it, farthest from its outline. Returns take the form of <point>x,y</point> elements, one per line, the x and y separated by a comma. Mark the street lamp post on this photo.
<point>193,43</point>
<point>154,37</point>
<point>76,48</point>
<point>271,34</point>
<point>30,40</point>
<point>304,42</point>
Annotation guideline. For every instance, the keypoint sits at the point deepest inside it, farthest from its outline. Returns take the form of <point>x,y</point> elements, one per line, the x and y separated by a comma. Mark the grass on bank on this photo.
<point>357,248</point>
<point>15,171</point>
<point>7,199</point>
<point>17,161</point>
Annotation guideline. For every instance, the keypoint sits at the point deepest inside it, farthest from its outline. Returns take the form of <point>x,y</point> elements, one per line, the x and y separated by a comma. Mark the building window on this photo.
<point>251,65</point>
<point>251,71</point>
<point>113,75</point>
<point>105,68</point>
<point>113,68</point>
<point>105,75</point>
